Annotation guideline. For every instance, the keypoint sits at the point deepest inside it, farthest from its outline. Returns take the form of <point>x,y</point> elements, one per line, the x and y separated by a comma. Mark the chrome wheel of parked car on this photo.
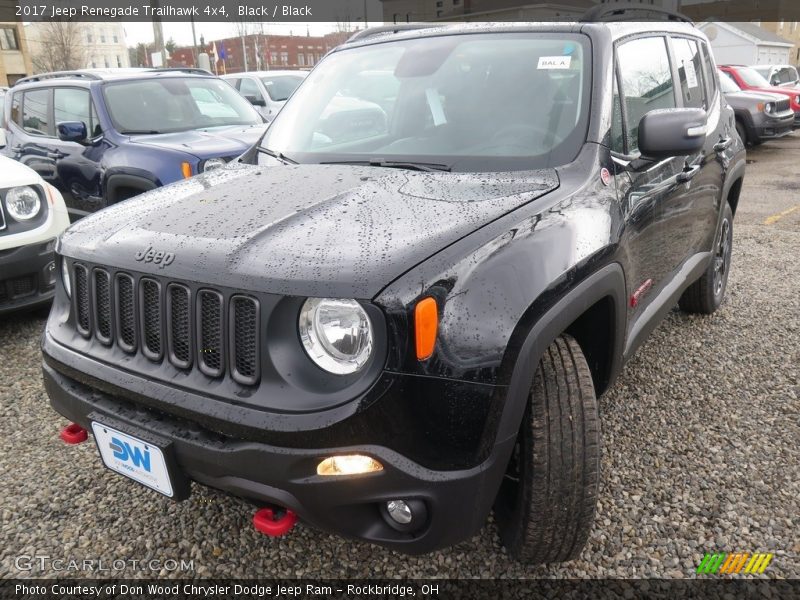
<point>722,258</point>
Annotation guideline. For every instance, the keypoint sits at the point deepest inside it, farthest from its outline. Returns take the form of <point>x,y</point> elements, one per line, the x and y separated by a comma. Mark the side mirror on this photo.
<point>672,132</point>
<point>776,81</point>
<point>72,131</point>
<point>255,101</point>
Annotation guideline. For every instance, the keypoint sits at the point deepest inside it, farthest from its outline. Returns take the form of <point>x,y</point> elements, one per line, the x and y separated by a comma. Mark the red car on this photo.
<point>748,78</point>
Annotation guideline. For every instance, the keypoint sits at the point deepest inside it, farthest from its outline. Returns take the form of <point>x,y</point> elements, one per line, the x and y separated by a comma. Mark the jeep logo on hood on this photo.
<point>162,259</point>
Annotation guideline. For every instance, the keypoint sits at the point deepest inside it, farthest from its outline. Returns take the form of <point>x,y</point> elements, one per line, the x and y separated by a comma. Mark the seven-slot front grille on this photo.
<point>783,104</point>
<point>167,321</point>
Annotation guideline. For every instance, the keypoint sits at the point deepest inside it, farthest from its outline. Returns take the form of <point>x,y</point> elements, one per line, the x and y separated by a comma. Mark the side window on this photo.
<point>617,140</point>
<point>16,105</point>
<point>72,104</point>
<point>710,72</point>
<point>248,87</point>
<point>96,128</point>
<point>646,82</point>
<point>234,82</point>
<point>36,111</point>
<point>690,71</point>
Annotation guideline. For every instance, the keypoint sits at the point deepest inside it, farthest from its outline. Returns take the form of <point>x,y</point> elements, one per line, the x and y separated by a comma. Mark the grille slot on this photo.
<point>150,314</point>
<point>209,333</point>
<point>202,330</point>
<point>81,293</point>
<point>245,338</point>
<point>102,306</point>
<point>179,322</point>
<point>126,312</point>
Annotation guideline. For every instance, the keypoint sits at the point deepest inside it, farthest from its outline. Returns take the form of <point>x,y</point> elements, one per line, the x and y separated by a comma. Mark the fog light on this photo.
<point>49,273</point>
<point>351,464</point>
<point>399,511</point>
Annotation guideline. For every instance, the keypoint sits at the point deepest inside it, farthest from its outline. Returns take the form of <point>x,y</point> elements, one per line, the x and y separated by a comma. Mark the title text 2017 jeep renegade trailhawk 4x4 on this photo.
<point>392,315</point>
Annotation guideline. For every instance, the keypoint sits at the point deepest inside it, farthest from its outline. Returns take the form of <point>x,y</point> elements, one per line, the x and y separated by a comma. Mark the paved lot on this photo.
<point>700,448</point>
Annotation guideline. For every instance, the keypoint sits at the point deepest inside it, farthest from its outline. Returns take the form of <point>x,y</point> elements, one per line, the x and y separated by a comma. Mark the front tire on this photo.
<point>546,503</point>
<point>742,132</point>
<point>705,295</point>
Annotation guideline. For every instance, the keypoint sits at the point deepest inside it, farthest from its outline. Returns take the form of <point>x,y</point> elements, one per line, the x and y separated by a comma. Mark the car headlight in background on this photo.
<point>211,164</point>
<point>22,203</point>
<point>336,334</point>
<point>65,277</point>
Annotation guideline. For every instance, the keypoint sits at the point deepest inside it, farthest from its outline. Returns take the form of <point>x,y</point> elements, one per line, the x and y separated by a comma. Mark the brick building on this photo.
<point>263,52</point>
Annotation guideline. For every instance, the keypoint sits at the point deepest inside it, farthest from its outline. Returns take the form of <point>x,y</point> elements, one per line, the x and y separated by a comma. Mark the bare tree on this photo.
<point>61,46</point>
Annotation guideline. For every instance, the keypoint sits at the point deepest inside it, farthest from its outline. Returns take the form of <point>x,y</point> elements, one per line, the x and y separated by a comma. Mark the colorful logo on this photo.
<point>736,562</point>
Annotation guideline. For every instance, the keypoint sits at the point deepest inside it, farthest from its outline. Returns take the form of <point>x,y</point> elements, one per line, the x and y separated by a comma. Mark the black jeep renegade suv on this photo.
<point>396,313</point>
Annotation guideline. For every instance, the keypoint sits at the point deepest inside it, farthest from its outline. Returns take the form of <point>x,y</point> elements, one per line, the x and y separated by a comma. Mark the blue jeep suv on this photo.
<point>101,136</point>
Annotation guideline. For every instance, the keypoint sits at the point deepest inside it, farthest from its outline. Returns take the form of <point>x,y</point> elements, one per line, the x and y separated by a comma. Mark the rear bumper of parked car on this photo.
<point>27,276</point>
<point>456,502</point>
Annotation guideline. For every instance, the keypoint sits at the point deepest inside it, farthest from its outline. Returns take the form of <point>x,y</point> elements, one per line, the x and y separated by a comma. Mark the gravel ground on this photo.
<point>700,450</point>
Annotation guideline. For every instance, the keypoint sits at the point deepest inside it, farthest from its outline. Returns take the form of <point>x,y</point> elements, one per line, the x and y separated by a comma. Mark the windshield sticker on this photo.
<point>554,62</point>
<point>691,74</point>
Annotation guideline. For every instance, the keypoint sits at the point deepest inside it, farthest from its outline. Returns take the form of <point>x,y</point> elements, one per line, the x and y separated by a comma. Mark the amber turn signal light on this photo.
<point>186,169</point>
<point>426,323</point>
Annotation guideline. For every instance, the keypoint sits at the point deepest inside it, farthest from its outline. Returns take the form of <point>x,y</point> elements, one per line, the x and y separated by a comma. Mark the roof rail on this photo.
<point>59,75</point>
<point>195,70</point>
<point>396,28</point>
<point>615,12</point>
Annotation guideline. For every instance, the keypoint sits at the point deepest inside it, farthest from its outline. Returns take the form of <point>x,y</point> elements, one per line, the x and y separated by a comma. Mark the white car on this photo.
<point>267,91</point>
<point>32,216</point>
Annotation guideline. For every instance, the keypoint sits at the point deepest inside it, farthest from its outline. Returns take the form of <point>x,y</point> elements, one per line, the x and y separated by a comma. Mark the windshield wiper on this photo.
<point>139,132</point>
<point>279,155</point>
<point>393,164</point>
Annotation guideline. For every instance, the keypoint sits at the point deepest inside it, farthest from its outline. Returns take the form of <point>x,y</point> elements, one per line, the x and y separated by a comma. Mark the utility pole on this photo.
<point>158,35</point>
<point>194,45</point>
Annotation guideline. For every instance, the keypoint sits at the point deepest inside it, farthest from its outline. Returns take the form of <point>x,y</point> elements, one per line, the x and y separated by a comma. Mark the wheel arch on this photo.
<point>116,182</point>
<point>593,312</point>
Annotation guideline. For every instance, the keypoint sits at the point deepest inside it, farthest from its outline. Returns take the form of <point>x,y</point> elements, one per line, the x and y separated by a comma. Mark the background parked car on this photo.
<point>266,90</point>
<point>32,215</point>
<point>748,78</point>
<point>105,135</point>
<point>779,75</point>
<point>759,115</point>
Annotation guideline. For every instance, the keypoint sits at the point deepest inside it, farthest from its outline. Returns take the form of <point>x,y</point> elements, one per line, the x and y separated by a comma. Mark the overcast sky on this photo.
<point>136,33</point>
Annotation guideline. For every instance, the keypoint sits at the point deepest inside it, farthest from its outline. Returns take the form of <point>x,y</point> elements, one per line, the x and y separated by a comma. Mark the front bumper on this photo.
<point>769,127</point>
<point>27,276</point>
<point>457,501</point>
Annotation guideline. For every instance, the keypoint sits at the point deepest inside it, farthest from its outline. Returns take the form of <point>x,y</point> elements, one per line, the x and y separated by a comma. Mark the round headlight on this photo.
<point>212,164</point>
<point>769,107</point>
<point>22,203</point>
<point>65,277</point>
<point>336,334</point>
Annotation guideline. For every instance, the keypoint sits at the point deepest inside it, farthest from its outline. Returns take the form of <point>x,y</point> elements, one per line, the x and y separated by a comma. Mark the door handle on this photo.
<point>56,155</point>
<point>16,149</point>
<point>723,144</point>
<point>688,172</point>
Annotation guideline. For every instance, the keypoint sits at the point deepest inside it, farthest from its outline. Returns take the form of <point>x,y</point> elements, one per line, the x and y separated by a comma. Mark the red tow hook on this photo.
<point>264,521</point>
<point>74,434</point>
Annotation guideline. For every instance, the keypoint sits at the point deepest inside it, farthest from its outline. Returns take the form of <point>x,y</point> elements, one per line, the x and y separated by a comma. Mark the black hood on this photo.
<point>310,230</point>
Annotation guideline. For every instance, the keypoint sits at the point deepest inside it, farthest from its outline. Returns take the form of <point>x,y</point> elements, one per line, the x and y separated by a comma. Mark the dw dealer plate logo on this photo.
<point>721,563</point>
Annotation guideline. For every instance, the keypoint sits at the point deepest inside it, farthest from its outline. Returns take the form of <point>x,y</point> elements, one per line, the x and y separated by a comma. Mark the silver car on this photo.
<point>779,75</point>
<point>267,91</point>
